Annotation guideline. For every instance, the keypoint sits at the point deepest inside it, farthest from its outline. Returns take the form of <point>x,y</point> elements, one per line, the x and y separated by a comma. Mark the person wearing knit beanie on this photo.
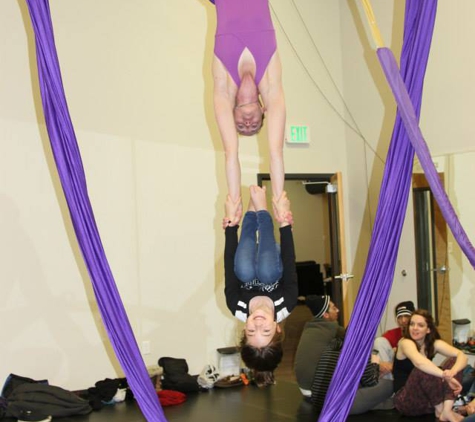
<point>385,346</point>
<point>322,307</point>
<point>404,309</point>
<point>316,336</point>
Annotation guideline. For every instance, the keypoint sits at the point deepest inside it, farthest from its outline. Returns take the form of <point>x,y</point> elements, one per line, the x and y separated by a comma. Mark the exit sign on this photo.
<point>298,134</point>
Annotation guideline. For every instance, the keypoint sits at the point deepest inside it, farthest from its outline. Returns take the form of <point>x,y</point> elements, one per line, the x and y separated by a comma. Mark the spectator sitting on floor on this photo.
<point>316,336</point>
<point>468,392</point>
<point>372,393</point>
<point>422,387</point>
<point>386,345</point>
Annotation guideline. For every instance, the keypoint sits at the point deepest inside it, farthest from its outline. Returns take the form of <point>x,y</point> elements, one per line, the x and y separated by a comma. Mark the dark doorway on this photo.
<point>430,230</point>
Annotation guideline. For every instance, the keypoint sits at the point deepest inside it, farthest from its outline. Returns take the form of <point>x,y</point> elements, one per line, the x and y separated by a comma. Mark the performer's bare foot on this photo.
<point>258,197</point>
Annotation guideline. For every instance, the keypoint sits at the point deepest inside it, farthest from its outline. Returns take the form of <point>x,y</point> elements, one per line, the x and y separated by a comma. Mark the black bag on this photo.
<point>176,377</point>
<point>14,381</point>
<point>44,400</point>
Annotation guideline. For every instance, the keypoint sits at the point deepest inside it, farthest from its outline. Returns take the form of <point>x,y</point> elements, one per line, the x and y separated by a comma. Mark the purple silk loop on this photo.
<point>395,188</point>
<point>408,115</point>
<point>71,173</point>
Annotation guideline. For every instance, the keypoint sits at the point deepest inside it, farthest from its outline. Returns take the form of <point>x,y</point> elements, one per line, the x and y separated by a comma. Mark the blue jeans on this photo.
<point>258,257</point>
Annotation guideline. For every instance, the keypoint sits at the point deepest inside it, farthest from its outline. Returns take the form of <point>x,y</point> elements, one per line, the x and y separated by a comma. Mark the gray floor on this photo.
<point>278,403</point>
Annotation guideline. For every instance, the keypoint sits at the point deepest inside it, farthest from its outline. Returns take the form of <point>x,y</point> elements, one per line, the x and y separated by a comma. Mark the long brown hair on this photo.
<point>430,337</point>
<point>262,361</point>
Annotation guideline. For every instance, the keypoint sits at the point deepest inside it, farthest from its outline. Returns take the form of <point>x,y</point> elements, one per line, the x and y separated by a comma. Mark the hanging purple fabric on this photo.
<point>389,65</point>
<point>377,279</point>
<point>71,173</point>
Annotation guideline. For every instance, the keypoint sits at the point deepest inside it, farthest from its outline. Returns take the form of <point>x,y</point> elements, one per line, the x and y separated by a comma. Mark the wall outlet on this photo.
<point>146,347</point>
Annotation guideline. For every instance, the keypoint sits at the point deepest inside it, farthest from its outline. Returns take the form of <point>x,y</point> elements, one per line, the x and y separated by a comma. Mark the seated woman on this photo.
<point>246,70</point>
<point>422,387</point>
<point>260,281</point>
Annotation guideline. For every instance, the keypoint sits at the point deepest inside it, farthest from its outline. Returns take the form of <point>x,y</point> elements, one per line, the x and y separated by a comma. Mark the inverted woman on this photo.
<point>248,85</point>
<point>260,281</point>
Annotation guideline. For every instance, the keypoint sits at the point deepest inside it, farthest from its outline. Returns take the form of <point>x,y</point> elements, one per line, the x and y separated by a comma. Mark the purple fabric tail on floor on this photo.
<point>389,65</point>
<point>378,276</point>
<point>71,173</point>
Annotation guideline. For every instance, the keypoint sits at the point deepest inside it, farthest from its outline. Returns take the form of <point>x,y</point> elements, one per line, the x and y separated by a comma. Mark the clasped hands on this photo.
<point>234,209</point>
<point>448,376</point>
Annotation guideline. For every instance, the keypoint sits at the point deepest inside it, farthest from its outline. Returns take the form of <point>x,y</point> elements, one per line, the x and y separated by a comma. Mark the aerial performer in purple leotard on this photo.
<point>248,84</point>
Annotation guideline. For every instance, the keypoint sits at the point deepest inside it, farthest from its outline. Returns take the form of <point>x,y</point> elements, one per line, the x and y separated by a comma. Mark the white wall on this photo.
<point>138,85</point>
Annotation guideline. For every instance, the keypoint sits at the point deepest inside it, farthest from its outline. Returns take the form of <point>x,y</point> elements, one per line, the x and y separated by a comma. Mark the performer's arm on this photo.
<point>287,249</point>
<point>273,97</point>
<point>231,282</point>
<point>223,110</point>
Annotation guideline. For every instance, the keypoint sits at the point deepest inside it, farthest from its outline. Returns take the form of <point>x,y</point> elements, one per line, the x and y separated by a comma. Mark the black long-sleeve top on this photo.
<point>284,295</point>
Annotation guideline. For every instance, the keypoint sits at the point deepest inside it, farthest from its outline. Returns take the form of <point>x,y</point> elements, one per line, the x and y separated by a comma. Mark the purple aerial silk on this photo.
<point>378,276</point>
<point>406,110</point>
<point>71,173</point>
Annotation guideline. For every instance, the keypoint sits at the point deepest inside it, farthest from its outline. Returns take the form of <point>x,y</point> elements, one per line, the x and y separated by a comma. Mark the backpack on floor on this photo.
<point>46,400</point>
<point>176,377</point>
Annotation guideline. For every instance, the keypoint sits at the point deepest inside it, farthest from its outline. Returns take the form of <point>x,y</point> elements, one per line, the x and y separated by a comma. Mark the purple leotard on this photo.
<point>241,24</point>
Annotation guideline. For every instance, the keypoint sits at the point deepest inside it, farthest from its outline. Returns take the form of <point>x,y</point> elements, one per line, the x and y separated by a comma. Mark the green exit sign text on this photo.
<point>298,134</point>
